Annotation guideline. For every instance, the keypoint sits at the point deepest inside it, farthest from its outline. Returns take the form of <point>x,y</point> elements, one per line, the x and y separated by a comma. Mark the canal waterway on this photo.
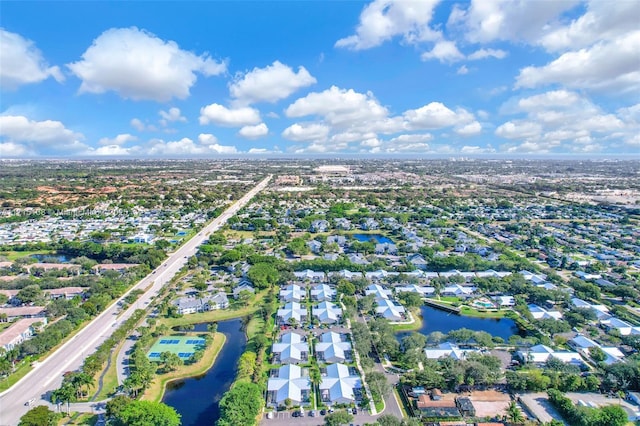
<point>197,398</point>
<point>434,319</point>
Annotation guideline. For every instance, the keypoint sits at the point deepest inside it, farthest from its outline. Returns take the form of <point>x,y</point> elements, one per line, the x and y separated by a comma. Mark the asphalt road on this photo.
<point>47,375</point>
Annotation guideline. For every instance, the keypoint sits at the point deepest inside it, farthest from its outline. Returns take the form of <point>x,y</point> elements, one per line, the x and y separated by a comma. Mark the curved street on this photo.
<point>47,375</point>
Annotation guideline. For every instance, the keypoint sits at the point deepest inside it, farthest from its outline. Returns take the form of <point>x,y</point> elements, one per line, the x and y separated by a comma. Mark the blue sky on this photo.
<point>205,79</point>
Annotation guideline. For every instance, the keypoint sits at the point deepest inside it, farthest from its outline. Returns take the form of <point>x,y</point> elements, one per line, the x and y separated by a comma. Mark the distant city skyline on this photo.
<point>336,79</point>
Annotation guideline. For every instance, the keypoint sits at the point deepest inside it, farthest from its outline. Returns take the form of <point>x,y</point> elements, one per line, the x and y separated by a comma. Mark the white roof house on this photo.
<point>534,278</point>
<point>390,309</point>
<point>447,349</point>
<point>327,312</point>
<point>333,347</point>
<point>539,354</point>
<point>378,291</point>
<point>601,311</point>
<point>340,384</point>
<point>504,300</point>
<point>293,293</point>
<point>458,290</point>
<point>540,313</point>
<point>288,382</point>
<point>623,327</point>
<point>291,349</point>
<point>348,274</point>
<point>423,291</point>
<point>292,310</point>
<point>378,275</point>
<point>309,275</point>
<point>323,292</point>
<point>243,286</point>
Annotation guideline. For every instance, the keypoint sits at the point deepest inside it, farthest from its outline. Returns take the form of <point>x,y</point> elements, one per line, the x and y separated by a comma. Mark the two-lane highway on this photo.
<point>47,376</point>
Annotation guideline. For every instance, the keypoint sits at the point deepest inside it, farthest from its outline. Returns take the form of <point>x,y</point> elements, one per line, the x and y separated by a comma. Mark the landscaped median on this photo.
<point>156,390</point>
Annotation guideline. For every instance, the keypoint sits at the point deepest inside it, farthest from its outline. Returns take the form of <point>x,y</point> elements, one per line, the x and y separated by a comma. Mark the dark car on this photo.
<point>355,411</point>
<point>295,414</point>
<point>323,412</point>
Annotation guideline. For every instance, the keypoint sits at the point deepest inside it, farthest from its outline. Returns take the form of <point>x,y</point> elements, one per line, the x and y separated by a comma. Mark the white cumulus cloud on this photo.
<point>118,140</point>
<point>254,132</point>
<point>381,20</point>
<point>270,84</point>
<point>232,117</point>
<point>22,63</point>
<point>306,132</point>
<point>140,66</point>
<point>38,135</point>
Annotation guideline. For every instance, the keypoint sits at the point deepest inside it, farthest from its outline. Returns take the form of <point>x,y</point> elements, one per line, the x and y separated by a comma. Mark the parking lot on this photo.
<point>285,418</point>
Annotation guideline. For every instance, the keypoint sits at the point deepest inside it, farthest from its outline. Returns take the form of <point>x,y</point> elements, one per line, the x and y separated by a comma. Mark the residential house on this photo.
<point>378,291</point>
<point>390,309</point>
<point>333,347</point>
<point>540,354</point>
<point>342,223</point>
<point>323,292</point>
<point>292,311</point>
<point>191,305</point>
<point>340,384</point>
<point>244,285</point>
<point>23,312</point>
<point>315,246</point>
<point>438,409</point>
<point>369,224</point>
<point>309,275</point>
<point>600,311</point>
<point>340,240</point>
<point>539,313</point>
<point>291,348</point>
<point>386,248</point>
<point>67,293</point>
<point>357,259</point>
<point>327,313</point>
<point>423,291</point>
<point>623,327</point>
<point>19,331</point>
<point>448,349</point>
<point>288,383</point>
<point>458,291</point>
<point>583,345</point>
<point>319,226</point>
<point>417,260</point>
<point>293,293</point>
<point>348,274</point>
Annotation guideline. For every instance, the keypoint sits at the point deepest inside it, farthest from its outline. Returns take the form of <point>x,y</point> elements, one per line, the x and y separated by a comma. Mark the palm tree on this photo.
<point>514,414</point>
<point>79,381</point>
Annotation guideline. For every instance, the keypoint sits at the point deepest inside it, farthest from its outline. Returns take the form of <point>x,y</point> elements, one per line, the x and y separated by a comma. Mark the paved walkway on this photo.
<point>122,360</point>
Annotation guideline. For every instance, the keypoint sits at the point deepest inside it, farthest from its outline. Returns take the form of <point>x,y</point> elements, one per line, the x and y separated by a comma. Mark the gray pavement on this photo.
<point>47,375</point>
<point>122,360</point>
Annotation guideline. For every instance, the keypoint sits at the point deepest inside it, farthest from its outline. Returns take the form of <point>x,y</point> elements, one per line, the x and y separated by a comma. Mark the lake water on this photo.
<point>197,398</point>
<point>59,258</point>
<point>438,320</point>
<point>378,238</point>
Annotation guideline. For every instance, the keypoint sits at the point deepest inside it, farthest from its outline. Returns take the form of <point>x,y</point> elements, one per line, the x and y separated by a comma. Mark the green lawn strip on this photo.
<point>13,378</point>
<point>79,419</point>
<point>216,315</point>
<point>401,401</point>
<point>155,392</point>
<point>110,380</point>
<point>414,326</point>
<point>471,312</point>
<point>13,255</point>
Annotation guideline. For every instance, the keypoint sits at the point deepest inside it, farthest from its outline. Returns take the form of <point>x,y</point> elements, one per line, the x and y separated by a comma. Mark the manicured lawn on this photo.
<point>110,380</point>
<point>17,375</point>
<point>416,325</point>
<point>80,419</point>
<point>13,255</point>
<point>470,312</point>
<point>156,390</point>
<point>217,315</point>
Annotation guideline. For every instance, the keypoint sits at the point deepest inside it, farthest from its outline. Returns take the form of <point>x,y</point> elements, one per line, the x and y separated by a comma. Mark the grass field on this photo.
<point>471,312</point>
<point>110,380</point>
<point>217,315</point>
<point>17,375</point>
<point>13,255</point>
<point>156,390</point>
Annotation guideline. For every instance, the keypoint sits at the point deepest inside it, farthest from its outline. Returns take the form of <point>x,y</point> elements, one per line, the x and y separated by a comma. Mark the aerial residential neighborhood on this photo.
<point>320,213</point>
<point>434,308</point>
